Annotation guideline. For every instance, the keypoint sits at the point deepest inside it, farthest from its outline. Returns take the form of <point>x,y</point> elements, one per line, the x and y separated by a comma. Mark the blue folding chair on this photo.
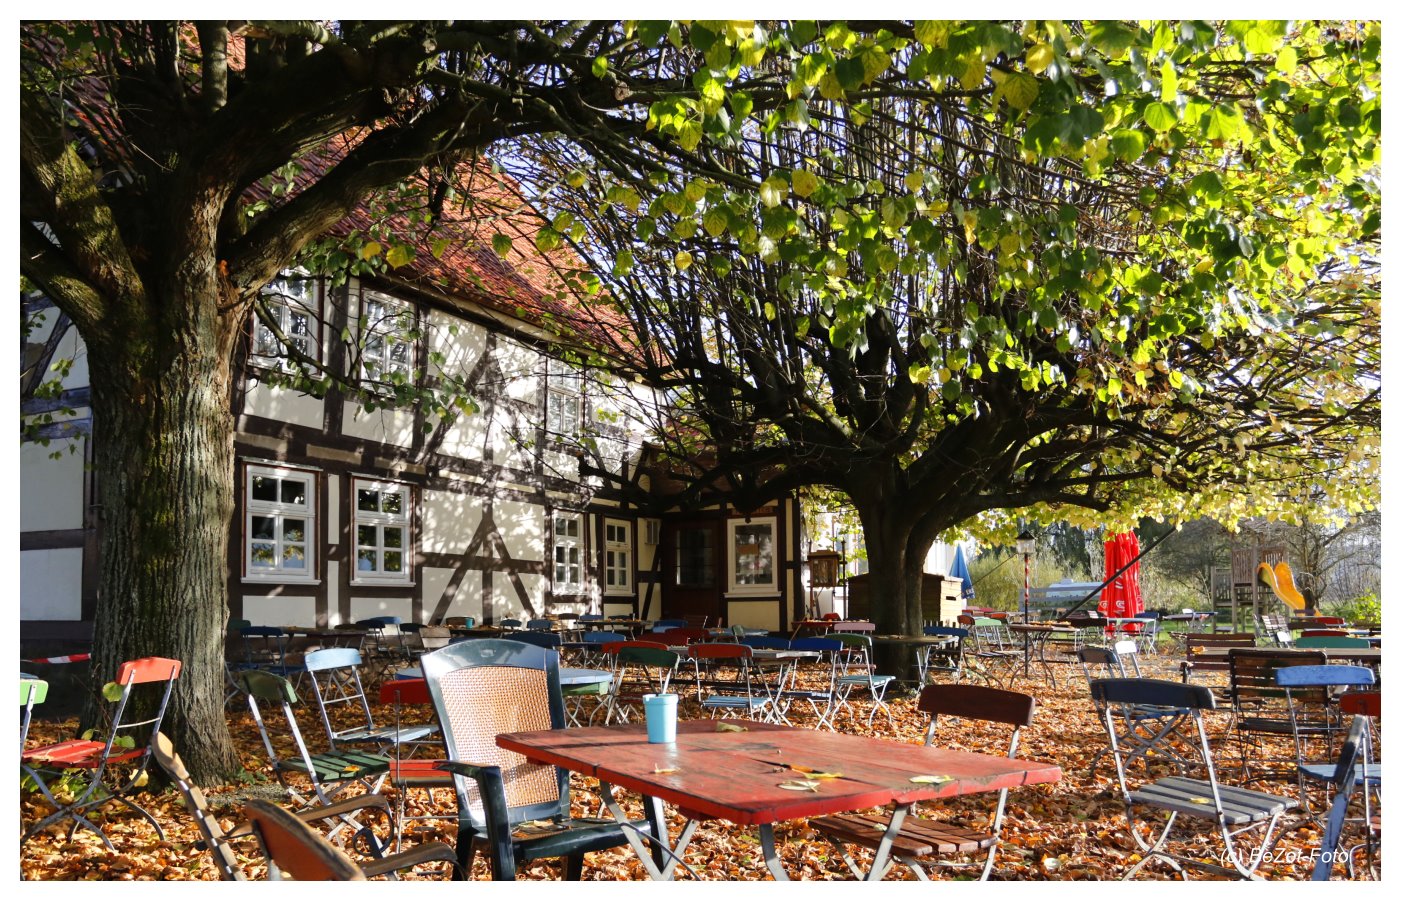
<point>1321,683</point>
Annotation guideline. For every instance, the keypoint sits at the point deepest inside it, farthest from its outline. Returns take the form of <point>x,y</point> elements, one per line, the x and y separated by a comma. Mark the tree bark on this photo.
<point>163,453</point>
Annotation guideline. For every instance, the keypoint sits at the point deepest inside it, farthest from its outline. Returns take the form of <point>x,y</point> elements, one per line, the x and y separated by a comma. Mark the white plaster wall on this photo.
<point>466,438</point>
<point>71,346</point>
<point>435,580</point>
<point>468,601</point>
<point>285,405</point>
<point>333,593</point>
<point>521,368</point>
<point>754,614</point>
<point>364,608</point>
<point>522,527</point>
<point>507,603</point>
<point>51,491</point>
<point>449,521</point>
<point>381,424</point>
<point>333,509</point>
<point>281,610</point>
<point>461,350</point>
<point>51,584</point>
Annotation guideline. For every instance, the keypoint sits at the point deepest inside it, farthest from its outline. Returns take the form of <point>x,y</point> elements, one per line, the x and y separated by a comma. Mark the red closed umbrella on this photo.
<point>1122,597</point>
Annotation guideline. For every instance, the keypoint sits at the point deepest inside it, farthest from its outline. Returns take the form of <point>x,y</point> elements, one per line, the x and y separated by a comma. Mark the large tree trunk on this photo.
<point>163,451</point>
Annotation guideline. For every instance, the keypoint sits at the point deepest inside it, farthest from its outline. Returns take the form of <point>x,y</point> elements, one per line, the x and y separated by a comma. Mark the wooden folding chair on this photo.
<point>100,758</point>
<point>919,839</point>
<point>1232,813</point>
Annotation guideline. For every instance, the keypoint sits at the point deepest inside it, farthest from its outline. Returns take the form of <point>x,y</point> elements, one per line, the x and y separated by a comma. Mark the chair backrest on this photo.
<point>590,617</point>
<point>373,621</point>
<point>695,620</point>
<point>720,651</point>
<point>291,846</point>
<point>31,691</point>
<point>1355,752</point>
<point>483,688</point>
<point>1332,641</point>
<point>540,624</point>
<point>976,702</point>
<point>335,681</point>
<point>1253,673</point>
<point>434,637</point>
<point>613,647</point>
<point>947,631</point>
<point>510,624</point>
<point>539,639</point>
<point>825,645</point>
<point>768,642</point>
<point>1326,675</point>
<point>603,637</point>
<point>225,861</point>
<point>662,625</point>
<point>848,625</point>
<point>636,653</point>
<point>1323,633</point>
<point>1364,703</point>
<point>1155,692</point>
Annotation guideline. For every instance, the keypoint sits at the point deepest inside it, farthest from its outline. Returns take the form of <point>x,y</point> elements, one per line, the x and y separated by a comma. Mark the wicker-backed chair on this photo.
<point>481,689</point>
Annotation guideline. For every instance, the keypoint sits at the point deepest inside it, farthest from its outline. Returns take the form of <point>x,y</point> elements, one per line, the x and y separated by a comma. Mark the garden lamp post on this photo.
<point>1026,544</point>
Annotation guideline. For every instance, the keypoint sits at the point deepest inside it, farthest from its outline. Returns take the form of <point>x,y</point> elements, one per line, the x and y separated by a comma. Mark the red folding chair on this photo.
<point>100,758</point>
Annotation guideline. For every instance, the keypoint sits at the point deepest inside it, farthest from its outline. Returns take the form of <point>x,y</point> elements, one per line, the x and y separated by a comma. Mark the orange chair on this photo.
<point>97,757</point>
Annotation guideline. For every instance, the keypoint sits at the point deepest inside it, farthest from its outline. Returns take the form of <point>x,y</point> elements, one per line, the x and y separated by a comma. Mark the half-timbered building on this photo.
<point>352,505</point>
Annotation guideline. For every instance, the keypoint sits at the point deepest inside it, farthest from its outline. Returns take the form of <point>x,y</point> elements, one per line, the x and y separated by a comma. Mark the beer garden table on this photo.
<point>712,773</point>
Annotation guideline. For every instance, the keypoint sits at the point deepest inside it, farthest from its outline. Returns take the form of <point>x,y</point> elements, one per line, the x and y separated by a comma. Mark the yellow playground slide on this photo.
<point>1280,580</point>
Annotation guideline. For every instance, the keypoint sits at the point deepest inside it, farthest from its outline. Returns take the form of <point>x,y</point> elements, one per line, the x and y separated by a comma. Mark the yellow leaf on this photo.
<point>371,250</point>
<point>799,785</point>
<point>931,780</point>
<point>662,771</point>
<point>729,727</point>
<point>1038,58</point>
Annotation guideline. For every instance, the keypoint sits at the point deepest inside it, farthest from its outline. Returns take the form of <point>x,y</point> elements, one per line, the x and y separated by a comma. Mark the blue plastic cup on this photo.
<point>661,718</point>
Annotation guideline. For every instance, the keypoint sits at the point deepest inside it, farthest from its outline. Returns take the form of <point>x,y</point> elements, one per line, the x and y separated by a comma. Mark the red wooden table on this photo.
<point>735,776</point>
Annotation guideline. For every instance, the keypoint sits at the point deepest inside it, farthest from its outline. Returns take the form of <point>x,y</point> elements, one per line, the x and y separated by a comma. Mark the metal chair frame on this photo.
<point>1233,812</point>
<point>947,658</point>
<point>860,673</point>
<point>335,681</point>
<point>97,757</point>
<point>330,773</point>
<point>920,839</point>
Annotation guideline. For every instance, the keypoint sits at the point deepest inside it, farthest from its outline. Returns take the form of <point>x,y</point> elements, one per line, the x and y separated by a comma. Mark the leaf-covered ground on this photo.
<point>1074,829</point>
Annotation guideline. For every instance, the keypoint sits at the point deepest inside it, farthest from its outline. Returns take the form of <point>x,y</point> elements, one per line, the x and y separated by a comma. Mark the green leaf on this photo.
<point>851,73</point>
<point>1127,144</point>
<point>682,260</point>
<point>1111,38</point>
<point>1287,60</point>
<point>933,34</point>
<point>1169,82</point>
<point>805,182</point>
<point>1020,89</point>
<point>399,255</point>
<point>112,692</point>
<point>770,311</point>
<point>1159,116</point>
<point>501,244</point>
<point>599,67</point>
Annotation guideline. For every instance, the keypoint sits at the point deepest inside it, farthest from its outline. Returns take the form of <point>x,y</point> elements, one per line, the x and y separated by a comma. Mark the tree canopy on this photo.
<point>1101,270</point>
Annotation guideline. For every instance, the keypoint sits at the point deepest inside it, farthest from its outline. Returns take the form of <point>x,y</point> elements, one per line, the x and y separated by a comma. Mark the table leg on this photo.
<point>771,858</point>
<point>661,848</point>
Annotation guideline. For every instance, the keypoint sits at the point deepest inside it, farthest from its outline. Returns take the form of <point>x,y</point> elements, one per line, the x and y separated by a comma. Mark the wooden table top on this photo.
<point>735,775</point>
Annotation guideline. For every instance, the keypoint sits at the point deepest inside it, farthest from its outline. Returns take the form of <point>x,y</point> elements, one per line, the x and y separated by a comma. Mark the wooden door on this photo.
<point>692,556</point>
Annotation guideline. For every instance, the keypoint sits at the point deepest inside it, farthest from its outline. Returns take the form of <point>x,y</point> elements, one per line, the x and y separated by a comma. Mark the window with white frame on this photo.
<point>617,557</point>
<point>382,551</point>
<point>568,554</point>
<point>563,400</point>
<point>279,524</point>
<point>292,302</point>
<point>386,329</point>
<point>752,565</point>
